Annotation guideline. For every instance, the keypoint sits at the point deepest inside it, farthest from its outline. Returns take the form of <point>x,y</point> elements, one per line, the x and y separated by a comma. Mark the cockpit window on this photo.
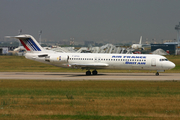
<point>163,59</point>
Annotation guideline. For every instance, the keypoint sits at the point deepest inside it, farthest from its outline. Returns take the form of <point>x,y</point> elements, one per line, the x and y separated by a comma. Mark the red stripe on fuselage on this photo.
<point>25,45</point>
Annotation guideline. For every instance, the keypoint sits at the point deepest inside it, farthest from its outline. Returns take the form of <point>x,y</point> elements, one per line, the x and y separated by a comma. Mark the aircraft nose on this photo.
<point>171,65</point>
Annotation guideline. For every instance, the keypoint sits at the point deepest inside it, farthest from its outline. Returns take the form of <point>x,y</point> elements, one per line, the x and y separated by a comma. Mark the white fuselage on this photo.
<point>104,61</point>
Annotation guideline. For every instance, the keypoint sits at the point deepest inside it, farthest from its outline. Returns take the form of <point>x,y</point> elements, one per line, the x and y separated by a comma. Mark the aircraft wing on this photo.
<point>88,65</point>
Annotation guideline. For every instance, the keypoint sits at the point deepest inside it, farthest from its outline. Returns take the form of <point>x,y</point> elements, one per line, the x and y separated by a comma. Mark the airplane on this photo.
<point>137,46</point>
<point>93,61</point>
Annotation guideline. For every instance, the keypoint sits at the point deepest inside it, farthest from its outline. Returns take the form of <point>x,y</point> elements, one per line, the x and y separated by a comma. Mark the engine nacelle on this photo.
<point>56,59</point>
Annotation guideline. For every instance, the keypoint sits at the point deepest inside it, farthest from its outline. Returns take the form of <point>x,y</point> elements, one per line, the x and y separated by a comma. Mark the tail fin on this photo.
<point>140,40</point>
<point>29,43</point>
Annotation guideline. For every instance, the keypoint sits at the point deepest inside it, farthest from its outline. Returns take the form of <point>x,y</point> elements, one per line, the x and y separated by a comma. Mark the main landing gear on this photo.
<point>157,74</point>
<point>88,72</point>
<point>94,72</point>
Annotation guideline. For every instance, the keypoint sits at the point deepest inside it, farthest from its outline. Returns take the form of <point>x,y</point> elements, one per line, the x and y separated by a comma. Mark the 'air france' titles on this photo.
<point>142,57</point>
<point>135,63</point>
<point>130,57</point>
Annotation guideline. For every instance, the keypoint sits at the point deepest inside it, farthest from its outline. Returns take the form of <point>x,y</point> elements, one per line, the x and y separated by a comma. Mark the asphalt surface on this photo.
<point>82,76</point>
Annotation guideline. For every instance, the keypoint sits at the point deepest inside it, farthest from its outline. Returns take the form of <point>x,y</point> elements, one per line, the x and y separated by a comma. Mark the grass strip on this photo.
<point>91,117</point>
<point>26,99</point>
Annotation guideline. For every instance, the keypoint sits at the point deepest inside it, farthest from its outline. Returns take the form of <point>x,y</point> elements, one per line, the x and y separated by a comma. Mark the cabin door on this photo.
<point>153,62</point>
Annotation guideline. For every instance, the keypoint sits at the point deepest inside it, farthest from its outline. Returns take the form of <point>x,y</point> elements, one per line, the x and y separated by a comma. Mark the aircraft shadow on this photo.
<point>121,75</point>
<point>87,75</point>
<point>73,75</point>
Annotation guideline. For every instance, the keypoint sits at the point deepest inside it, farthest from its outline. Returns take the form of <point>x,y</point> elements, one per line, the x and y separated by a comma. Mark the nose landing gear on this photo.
<point>157,74</point>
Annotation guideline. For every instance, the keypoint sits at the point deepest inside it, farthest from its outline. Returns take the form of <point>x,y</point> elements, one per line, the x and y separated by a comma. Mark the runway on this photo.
<point>82,76</point>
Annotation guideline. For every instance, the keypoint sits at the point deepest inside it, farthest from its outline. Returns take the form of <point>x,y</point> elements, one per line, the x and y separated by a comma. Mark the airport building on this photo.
<point>3,50</point>
<point>169,48</point>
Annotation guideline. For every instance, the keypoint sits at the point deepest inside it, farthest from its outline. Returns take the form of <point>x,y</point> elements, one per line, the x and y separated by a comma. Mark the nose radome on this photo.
<point>172,65</point>
<point>169,65</point>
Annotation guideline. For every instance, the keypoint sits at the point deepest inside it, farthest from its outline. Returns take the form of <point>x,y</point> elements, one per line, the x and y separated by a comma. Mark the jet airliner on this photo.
<point>93,61</point>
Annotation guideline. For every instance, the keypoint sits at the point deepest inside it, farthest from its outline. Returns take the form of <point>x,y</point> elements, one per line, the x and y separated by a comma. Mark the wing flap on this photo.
<point>89,65</point>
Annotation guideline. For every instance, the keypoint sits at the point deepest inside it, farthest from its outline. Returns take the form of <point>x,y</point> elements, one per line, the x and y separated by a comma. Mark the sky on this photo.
<point>111,21</point>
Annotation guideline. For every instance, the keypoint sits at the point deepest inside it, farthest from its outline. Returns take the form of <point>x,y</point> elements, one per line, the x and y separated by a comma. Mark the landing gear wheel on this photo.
<point>94,72</point>
<point>88,73</point>
<point>157,74</point>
